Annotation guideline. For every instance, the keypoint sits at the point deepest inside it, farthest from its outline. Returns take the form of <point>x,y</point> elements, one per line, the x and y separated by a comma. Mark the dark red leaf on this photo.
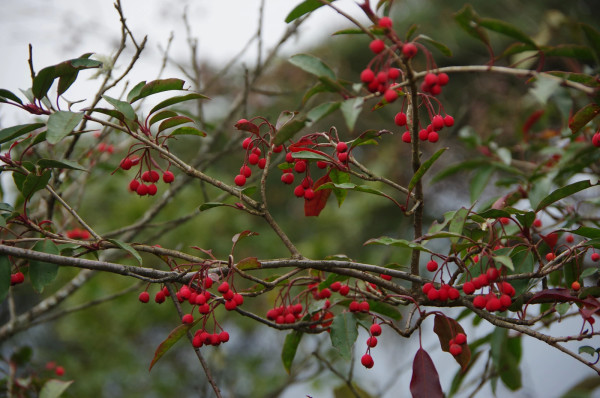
<point>535,116</point>
<point>446,329</point>
<point>550,239</point>
<point>314,206</point>
<point>425,382</point>
<point>247,126</point>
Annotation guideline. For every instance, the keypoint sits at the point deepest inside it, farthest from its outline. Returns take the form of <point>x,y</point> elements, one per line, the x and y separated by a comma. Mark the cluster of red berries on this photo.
<point>58,370</point>
<point>433,83</point>
<point>444,293</point>
<point>456,344</point>
<point>429,133</point>
<point>253,157</point>
<point>374,331</point>
<point>382,82</point>
<point>491,301</point>
<point>202,337</point>
<point>144,183</point>
<point>108,148</point>
<point>78,233</point>
<point>17,278</point>
<point>286,314</point>
<point>305,188</point>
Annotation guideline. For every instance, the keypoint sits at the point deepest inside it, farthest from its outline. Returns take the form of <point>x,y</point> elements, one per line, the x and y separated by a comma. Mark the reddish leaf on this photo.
<point>237,237</point>
<point>314,206</point>
<point>247,126</point>
<point>534,117</point>
<point>248,263</point>
<point>173,337</point>
<point>425,382</point>
<point>583,116</point>
<point>550,239</point>
<point>446,329</point>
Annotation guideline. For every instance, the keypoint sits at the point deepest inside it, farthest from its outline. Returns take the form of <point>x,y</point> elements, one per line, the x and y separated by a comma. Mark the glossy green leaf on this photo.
<point>321,111</point>
<point>290,346</point>
<point>34,183</point>
<point>127,248</point>
<point>10,133</point>
<point>480,181</point>
<point>54,388</point>
<point>188,130</point>
<point>583,117</point>
<point>177,100</point>
<point>457,224</point>
<point>343,334</point>
<point>124,107</point>
<point>154,87</point>
<point>289,129</point>
<point>313,65</point>
<point>424,167</point>
<point>562,193</point>
<point>506,29</point>
<point>67,70</point>
<point>589,272</point>
<point>588,232</point>
<point>440,46</point>
<point>5,271</point>
<point>339,177</point>
<point>505,261</point>
<point>351,108</point>
<point>387,241</point>
<point>161,116</point>
<point>302,9</point>
<point>467,19</point>
<point>42,273</point>
<point>111,112</point>
<point>173,122</point>
<point>173,337</point>
<point>8,95</point>
<point>248,263</point>
<point>210,205</point>
<point>368,137</point>
<point>308,155</point>
<point>135,91</point>
<point>61,124</point>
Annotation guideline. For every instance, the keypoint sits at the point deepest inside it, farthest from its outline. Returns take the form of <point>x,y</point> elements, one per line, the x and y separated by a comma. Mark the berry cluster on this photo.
<point>144,182</point>
<point>286,314</point>
<point>58,370</point>
<point>444,293</point>
<point>367,360</point>
<point>108,148</point>
<point>456,344</point>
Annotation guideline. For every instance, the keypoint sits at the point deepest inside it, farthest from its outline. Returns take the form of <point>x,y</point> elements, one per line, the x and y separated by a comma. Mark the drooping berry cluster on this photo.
<point>367,360</point>
<point>144,183</point>
<point>456,344</point>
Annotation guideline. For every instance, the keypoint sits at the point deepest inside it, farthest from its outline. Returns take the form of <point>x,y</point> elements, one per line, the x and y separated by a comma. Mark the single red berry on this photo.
<point>230,305</point>
<point>507,288</point>
<point>247,143</point>
<point>321,164</point>
<point>569,238</point>
<point>200,299</point>
<point>256,151</point>
<point>575,286</point>
<point>468,288</point>
<point>17,278</point>
<point>437,122</point>
<point>146,176</point>
<point>596,140</point>
<point>372,341</point>
<point>142,190</point>
<point>595,257</point>
<point>427,287</point>
<point>223,337</point>
<point>144,297</point>
<point>154,176</point>
<point>385,22</point>
<point>453,293</point>
<point>287,178</point>
<point>377,46</point>
<point>406,137</point>
<point>344,290</point>
<point>309,194</point>
<point>480,302</point>
<point>300,166</point>
<point>297,308</point>
<point>133,185</point>
<point>400,119</point>
<point>152,189</point>
<point>325,293</point>
<point>341,147</point>
<point>432,266</point>
<point>299,191</point>
<point>228,295</point>
<point>367,361</point>
<point>492,274</point>
<point>262,163</point>
<point>272,314</point>
<point>433,294</point>
<point>386,277</point>
<point>336,286</point>
<point>435,90</point>
<point>364,306</point>
<point>342,156</point>
<point>433,137</point>
<point>493,304</point>
<point>375,329</point>
<point>253,159</point>
<point>423,134</point>
<point>483,279</point>
<point>455,349</point>
<point>239,180</point>
<point>187,319</point>
<point>382,77</point>
<point>207,282</point>
<point>245,171</point>
<point>430,79</point>
<point>238,298</point>
<point>354,306</point>
<point>393,73</point>
<point>537,223</point>
<point>550,256</point>
<point>460,338</point>
<point>168,177</point>
<point>505,300</point>
<point>278,148</point>
<point>223,287</point>
<point>390,95</point>
<point>126,164</point>
<point>367,76</point>
<point>448,121</point>
<point>197,341</point>
<point>59,371</point>
<point>409,50</point>
<point>442,79</point>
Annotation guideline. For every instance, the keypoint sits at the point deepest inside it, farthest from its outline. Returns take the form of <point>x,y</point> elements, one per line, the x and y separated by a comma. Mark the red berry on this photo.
<point>126,164</point>
<point>569,238</point>
<point>400,119</point>
<point>154,176</point>
<point>430,79</point>
<point>442,79</point>
<point>507,288</point>
<point>377,46</point>
<point>152,189</point>
<point>493,304</point>
<point>287,178</point>
<point>375,329</point>
<point>146,176</point>
<point>354,306</point>
<point>469,288</point>
<point>505,300</point>
<point>372,341</point>
<point>483,279</point>
<point>299,191</point>
<point>168,177</point>
<point>344,290</point>
<point>492,274</point>
<point>423,134</point>
<point>144,297</point>
<point>435,90</point>
<point>199,299</point>
<point>448,121</point>
<point>427,287</point>
<point>432,266</point>
<point>59,371</point>
<point>455,349</point>
<point>537,223</point>
<point>390,95</point>
<point>342,156</point>
<point>433,294</point>
<point>187,319</point>
<point>321,164</point>
<point>278,149</point>
<point>406,137</point>
<point>460,339</point>
<point>262,163</point>
<point>309,194</point>
<point>480,302</point>
<point>17,278</point>
<point>325,293</point>
<point>341,147</point>
<point>437,122</point>
<point>142,190</point>
<point>382,77</point>
<point>385,22</point>
<point>253,158</point>
<point>367,76</point>
<point>595,257</point>
<point>228,295</point>
<point>207,283</point>
<point>596,140</point>
<point>238,298</point>
<point>575,286</point>
<point>453,293</point>
<point>223,287</point>
<point>197,341</point>
<point>289,157</point>
<point>159,297</point>
<point>364,306</point>
<point>223,337</point>
<point>245,171</point>
<point>300,166</point>
<point>550,256</point>
<point>133,185</point>
<point>386,277</point>
<point>393,73</point>
<point>335,286</point>
<point>409,50</point>
<point>247,143</point>
<point>239,180</point>
<point>230,305</point>
<point>433,137</point>
<point>272,314</point>
<point>367,361</point>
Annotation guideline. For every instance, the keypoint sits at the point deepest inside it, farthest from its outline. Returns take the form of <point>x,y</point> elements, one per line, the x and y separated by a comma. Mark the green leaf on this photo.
<point>468,20</point>
<point>313,65</point>
<point>110,112</point>
<point>562,193</point>
<point>343,334</point>
<point>127,248</point>
<point>173,337</point>
<point>436,227</point>
<point>176,100</point>
<point>589,272</point>
<point>61,124</point>
<point>540,189</point>
<point>156,86</point>
<point>457,224</point>
<point>174,121</point>
<point>588,232</point>
<point>593,37</point>
<point>424,167</point>
<point>248,263</point>
<point>387,241</point>
<point>319,112</point>
<point>5,268</point>
<point>506,29</point>
<point>349,32</point>
<point>66,70</point>
<point>135,91</point>
<point>583,117</point>
<point>8,95</point>
<point>385,309</point>
<point>339,177</point>
<point>303,8</point>
<point>581,53</point>
<point>59,164</point>
<point>290,346</point>
<point>504,260</point>
<point>576,77</point>
<point>587,350</point>
<point>34,183</point>
<point>54,388</point>
<point>368,137</point>
<point>13,132</point>
<point>479,182</point>
<point>42,273</point>
<point>289,129</point>
<point>188,130</point>
<point>440,46</point>
<point>124,107</point>
<point>351,108</point>
<point>210,205</point>
<point>161,116</point>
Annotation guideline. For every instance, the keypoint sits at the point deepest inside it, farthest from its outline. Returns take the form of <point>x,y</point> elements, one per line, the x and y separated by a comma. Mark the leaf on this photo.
<point>504,260</point>
<point>54,388</point>
<point>343,391</point>
<point>314,206</point>
<point>68,69</point>
<point>244,234</point>
<point>174,121</point>
<point>440,46</point>
<point>349,32</point>
<point>457,224</point>
<point>593,37</point>
<point>313,65</point>
<point>576,77</point>
<point>320,111</point>
<point>161,116</point>
<point>127,248</point>
<point>583,117</point>
<point>187,130</point>
<point>42,273</point>
<point>61,124</point>
<point>173,337</point>
<point>110,112</point>
<point>176,100</point>
<point>424,167</point>
<point>587,350</point>
<point>351,108</point>
<point>506,29</point>
<point>5,268</point>
<point>124,107</point>
<point>290,346</point>
<point>343,334</point>
<point>387,241</point>
<point>339,177</point>
<point>562,193</point>
<point>210,205</point>
<point>446,329</point>
<point>13,132</point>
<point>480,181</point>
<point>59,164</point>
<point>5,94</point>
<point>303,8</point>
<point>248,263</point>
<point>455,168</point>
<point>467,19</point>
<point>155,86</point>
<point>579,52</point>
<point>425,381</point>
<point>289,129</point>
<point>385,309</point>
<point>588,232</point>
<point>368,137</point>
<point>34,183</point>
